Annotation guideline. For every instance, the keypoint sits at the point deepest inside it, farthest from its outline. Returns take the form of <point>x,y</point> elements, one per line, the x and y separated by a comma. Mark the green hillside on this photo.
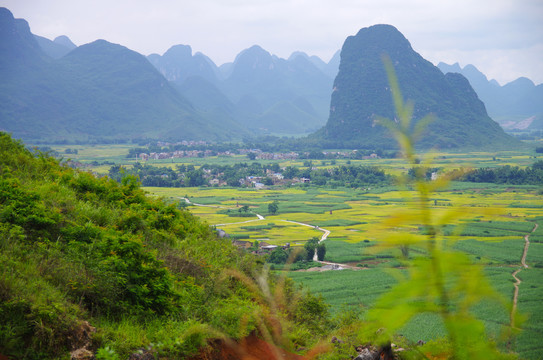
<point>79,251</point>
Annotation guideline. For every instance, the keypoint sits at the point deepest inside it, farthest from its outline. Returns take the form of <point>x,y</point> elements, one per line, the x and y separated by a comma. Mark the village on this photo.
<point>253,154</point>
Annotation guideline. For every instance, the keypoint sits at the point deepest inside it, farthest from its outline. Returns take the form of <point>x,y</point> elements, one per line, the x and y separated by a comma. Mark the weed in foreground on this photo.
<point>444,282</point>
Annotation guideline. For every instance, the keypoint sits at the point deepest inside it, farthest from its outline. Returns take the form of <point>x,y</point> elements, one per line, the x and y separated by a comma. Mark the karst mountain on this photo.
<point>361,94</point>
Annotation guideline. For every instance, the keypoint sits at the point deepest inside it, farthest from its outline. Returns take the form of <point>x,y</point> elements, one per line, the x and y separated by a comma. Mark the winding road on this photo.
<point>324,236</point>
<point>517,280</point>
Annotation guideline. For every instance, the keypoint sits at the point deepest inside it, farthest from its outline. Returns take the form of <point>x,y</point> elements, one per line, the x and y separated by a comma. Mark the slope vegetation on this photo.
<point>78,252</point>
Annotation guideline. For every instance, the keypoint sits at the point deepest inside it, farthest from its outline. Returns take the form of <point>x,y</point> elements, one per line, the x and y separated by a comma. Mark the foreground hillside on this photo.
<point>89,266</point>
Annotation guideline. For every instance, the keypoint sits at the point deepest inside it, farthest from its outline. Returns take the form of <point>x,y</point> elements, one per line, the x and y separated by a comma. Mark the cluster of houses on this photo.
<point>277,179</point>
<point>258,154</point>
<point>205,153</point>
<point>176,154</point>
<point>256,182</point>
<point>184,143</point>
<point>278,156</point>
<point>343,154</point>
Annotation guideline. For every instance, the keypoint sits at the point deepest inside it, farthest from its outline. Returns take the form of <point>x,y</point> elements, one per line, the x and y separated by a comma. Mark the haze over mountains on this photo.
<point>516,105</point>
<point>262,92</point>
<point>55,91</point>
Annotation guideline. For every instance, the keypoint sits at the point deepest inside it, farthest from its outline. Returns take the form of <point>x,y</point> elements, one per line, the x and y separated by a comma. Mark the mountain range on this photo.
<point>55,91</point>
<point>95,91</point>
<point>361,95</point>
<point>516,105</point>
<point>264,93</point>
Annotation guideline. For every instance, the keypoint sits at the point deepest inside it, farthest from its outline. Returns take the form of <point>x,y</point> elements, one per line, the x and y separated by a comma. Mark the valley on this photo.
<point>487,222</point>
<point>163,207</point>
<point>492,227</point>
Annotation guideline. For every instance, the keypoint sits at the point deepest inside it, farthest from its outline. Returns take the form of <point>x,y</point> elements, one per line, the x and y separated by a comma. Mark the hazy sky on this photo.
<point>502,38</point>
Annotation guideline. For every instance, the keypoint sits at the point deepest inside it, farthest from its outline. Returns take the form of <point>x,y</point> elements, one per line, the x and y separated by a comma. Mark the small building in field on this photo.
<point>242,244</point>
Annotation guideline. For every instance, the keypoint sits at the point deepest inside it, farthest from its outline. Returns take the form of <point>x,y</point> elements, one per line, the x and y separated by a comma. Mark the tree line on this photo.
<point>507,174</point>
<point>190,176</point>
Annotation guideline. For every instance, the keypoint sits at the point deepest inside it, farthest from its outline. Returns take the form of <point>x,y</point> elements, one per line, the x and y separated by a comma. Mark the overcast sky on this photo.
<point>502,38</point>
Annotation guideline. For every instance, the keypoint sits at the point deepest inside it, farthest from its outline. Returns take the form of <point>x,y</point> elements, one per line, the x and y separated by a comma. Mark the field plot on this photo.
<point>347,288</point>
<point>351,215</point>
<point>529,342</point>
<point>491,222</point>
<point>272,231</point>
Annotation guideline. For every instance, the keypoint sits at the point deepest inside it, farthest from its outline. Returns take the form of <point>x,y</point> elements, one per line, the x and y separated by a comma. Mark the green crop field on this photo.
<point>347,288</point>
<point>528,342</point>
<point>490,225</point>
<point>486,221</point>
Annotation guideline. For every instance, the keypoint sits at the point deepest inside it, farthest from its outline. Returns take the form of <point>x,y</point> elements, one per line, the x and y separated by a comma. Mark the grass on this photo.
<point>337,222</point>
<point>273,232</point>
<point>530,295</point>
<point>508,251</point>
<point>347,288</point>
<point>344,252</point>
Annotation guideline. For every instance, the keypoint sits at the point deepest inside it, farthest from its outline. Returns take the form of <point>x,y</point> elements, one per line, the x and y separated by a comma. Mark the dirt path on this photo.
<point>323,237</point>
<point>517,280</point>
<point>326,233</point>
<point>259,217</point>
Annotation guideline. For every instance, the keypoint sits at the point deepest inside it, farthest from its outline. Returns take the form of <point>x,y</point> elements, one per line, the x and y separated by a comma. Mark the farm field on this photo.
<point>489,214</point>
<point>490,223</point>
<point>486,221</point>
<point>117,154</point>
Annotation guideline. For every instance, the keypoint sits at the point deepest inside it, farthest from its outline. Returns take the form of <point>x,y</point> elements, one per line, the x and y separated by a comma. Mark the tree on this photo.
<point>442,282</point>
<point>321,251</point>
<point>233,181</point>
<point>273,207</point>
<point>310,247</point>
<point>267,181</point>
<point>278,256</point>
<point>194,178</point>
<point>275,167</point>
<point>291,172</point>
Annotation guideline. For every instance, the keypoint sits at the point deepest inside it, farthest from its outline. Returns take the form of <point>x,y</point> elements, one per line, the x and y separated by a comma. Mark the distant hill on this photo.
<point>264,93</point>
<point>56,48</point>
<point>178,63</point>
<point>65,41</point>
<point>257,93</point>
<point>19,50</point>
<point>262,86</point>
<point>96,91</point>
<point>330,69</point>
<point>361,93</point>
<point>516,105</point>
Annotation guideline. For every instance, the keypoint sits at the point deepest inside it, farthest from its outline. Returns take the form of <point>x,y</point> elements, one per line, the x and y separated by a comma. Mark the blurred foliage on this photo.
<point>444,282</point>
